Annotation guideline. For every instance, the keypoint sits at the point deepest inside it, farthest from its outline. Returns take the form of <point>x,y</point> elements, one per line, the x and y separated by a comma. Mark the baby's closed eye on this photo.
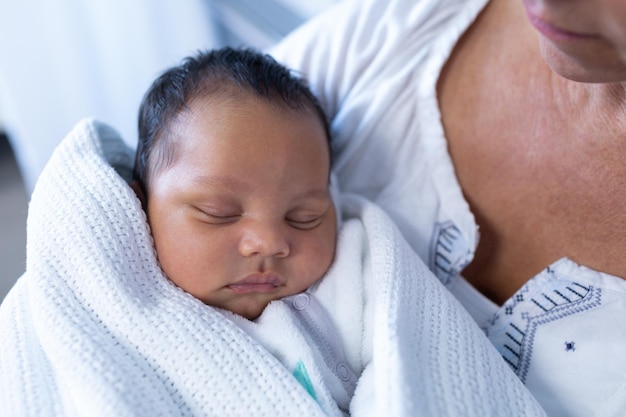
<point>305,219</point>
<point>214,215</point>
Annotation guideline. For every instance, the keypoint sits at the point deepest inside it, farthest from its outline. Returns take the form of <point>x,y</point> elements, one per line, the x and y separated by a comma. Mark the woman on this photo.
<point>495,135</point>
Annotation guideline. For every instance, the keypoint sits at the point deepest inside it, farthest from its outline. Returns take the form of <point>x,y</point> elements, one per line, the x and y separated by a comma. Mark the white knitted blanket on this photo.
<point>93,328</point>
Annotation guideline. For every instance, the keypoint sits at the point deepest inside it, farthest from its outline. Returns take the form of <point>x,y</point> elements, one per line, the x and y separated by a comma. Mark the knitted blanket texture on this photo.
<point>94,327</point>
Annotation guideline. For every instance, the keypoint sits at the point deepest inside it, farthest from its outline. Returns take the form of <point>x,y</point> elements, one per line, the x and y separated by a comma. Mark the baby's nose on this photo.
<point>265,240</point>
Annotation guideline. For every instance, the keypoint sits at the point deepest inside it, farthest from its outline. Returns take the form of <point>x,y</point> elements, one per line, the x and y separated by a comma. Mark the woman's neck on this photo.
<point>599,107</point>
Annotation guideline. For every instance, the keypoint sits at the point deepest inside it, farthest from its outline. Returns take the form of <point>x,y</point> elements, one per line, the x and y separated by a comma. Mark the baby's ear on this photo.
<point>134,184</point>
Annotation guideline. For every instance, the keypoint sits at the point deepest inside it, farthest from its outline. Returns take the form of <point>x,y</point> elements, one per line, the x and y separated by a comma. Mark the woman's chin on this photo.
<point>601,68</point>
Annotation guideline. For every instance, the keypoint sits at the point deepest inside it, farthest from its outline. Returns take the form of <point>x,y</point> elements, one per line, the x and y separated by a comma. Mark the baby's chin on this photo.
<point>253,313</point>
<point>250,310</point>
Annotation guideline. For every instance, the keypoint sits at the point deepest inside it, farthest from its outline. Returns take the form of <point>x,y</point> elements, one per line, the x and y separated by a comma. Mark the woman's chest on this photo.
<point>541,188</point>
<point>542,183</point>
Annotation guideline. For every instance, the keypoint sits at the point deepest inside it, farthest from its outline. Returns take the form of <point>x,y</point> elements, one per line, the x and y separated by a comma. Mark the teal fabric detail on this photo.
<point>302,376</point>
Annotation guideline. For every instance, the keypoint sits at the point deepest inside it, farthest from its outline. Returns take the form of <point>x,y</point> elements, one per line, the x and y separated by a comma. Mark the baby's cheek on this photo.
<point>325,256</point>
<point>181,263</point>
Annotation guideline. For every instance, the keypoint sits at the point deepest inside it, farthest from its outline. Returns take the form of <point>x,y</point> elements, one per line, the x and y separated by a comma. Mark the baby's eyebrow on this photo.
<point>317,194</point>
<point>222,181</point>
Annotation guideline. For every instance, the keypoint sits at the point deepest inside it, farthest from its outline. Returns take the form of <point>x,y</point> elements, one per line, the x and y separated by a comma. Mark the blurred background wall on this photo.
<point>63,60</point>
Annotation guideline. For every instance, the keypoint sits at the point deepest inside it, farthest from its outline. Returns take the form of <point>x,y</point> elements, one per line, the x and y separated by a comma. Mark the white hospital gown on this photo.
<point>375,64</point>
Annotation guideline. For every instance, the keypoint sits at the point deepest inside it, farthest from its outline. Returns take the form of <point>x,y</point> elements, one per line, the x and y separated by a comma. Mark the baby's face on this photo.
<point>243,216</point>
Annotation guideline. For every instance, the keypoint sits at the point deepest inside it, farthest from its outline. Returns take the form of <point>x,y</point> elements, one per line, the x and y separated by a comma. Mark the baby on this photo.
<point>233,167</point>
<point>233,170</point>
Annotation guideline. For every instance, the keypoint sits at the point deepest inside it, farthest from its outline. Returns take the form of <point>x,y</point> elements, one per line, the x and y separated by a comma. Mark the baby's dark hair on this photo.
<point>229,71</point>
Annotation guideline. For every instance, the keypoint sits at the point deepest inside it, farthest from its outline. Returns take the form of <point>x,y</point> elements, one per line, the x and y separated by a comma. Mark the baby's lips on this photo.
<point>258,282</point>
<point>261,278</point>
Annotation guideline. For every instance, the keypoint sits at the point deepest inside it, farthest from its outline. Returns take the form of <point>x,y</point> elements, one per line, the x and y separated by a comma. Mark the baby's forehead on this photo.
<point>236,100</point>
<point>189,129</point>
<point>213,138</point>
<point>207,114</point>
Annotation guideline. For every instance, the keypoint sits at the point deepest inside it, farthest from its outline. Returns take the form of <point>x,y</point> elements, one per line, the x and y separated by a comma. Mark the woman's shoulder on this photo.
<point>358,40</point>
